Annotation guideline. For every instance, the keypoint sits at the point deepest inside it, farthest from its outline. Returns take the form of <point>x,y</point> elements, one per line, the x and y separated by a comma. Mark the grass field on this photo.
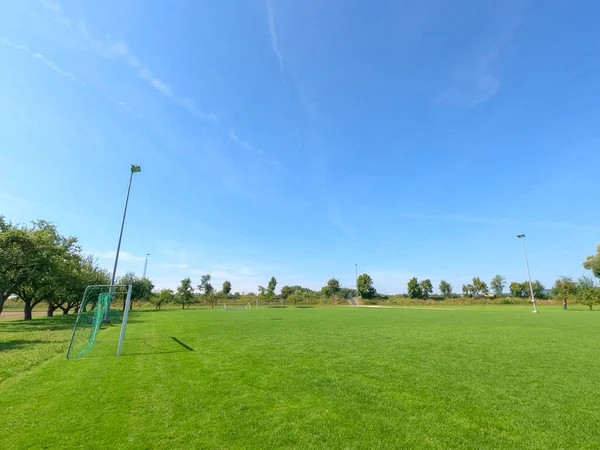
<point>308,378</point>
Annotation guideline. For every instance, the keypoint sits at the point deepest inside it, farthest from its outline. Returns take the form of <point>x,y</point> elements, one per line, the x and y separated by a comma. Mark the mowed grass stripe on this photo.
<point>313,378</point>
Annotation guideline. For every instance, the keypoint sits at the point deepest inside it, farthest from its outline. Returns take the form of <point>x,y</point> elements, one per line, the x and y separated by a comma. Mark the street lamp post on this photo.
<point>134,169</point>
<point>522,237</point>
<point>146,265</point>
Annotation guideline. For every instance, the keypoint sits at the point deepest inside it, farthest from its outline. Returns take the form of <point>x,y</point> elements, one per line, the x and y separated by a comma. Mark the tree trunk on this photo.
<point>65,311</point>
<point>27,310</point>
<point>183,306</point>
<point>590,307</point>
<point>2,300</point>
<point>565,305</point>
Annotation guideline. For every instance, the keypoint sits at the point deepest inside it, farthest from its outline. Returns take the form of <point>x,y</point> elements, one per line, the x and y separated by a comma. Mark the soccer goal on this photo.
<point>234,306</point>
<point>93,310</point>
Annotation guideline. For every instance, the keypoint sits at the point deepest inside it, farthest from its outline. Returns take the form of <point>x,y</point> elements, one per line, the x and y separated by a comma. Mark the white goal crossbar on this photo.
<point>232,307</point>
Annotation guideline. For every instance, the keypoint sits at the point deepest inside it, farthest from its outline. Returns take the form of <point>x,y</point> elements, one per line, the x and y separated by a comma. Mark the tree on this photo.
<point>206,289</point>
<point>365,286</point>
<point>593,263</point>
<point>426,288</point>
<point>468,290</point>
<point>587,291</point>
<point>46,255</point>
<point>286,291</point>
<point>271,287</point>
<point>164,296</point>
<point>445,288</point>
<point>497,284</point>
<point>517,289</point>
<point>479,286</point>
<point>185,293</point>
<point>296,297</point>
<point>226,288</point>
<point>414,288</point>
<point>141,288</point>
<point>538,288</point>
<point>564,289</point>
<point>332,288</point>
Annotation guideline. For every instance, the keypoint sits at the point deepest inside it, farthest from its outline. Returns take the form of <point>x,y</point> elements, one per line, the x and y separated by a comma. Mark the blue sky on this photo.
<point>297,138</point>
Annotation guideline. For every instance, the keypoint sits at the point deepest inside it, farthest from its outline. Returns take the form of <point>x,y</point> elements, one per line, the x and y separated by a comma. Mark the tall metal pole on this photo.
<point>522,237</point>
<point>134,169</point>
<point>356,278</point>
<point>146,265</point>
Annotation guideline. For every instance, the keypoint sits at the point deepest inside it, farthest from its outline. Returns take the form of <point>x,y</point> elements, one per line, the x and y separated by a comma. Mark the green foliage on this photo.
<point>593,263</point>
<point>206,290</point>
<point>588,293</point>
<point>271,287</point>
<point>286,291</point>
<point>365,286</point>
<point>141,288</point>
<point>519,289</point>
<point>445,288</point>
<point>468,290</point>
<point>185,293</point>
<point>479,287</point>
<point>414,288</point>
<point>333,287</point>
<point>498,284</point>
<point>426,288</point>
<point>163,297</point>
<point>226,288</point>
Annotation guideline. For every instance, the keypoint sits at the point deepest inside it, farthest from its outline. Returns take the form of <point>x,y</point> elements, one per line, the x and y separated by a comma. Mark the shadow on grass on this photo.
<point>187,347</point>
<point>16,344</point>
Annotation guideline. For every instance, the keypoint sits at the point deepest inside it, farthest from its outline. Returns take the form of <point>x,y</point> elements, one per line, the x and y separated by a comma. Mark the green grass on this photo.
<point>308,378</point>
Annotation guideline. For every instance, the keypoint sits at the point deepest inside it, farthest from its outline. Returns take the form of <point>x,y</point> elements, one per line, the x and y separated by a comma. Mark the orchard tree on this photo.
<point>414,288</point>
<point>588,292</point>
<point>185,293</point>
<point>593,263</point>
<point>564,289</point>
<point>141,288</point>
<point>206,290</point>
<point>426,288</point>
<point>163,297</point>
<point>498,284</point>
<point>365,286</point>
<point>517,289</point>
<point>333,287</point>
<point>445,288</point>
<point>226,288</point>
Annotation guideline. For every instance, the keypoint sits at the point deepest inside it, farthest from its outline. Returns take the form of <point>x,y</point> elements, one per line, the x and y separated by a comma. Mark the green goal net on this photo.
<point>93,310</point>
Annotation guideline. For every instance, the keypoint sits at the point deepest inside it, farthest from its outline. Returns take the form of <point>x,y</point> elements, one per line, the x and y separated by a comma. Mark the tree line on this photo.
<point>39,265</point>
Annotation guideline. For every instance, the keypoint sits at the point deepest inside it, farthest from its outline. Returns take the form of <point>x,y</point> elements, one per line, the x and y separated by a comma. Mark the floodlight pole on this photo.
<point>146,265</point>
<point>522,238</point>
<point>356,278</point>
<point>134,169</point>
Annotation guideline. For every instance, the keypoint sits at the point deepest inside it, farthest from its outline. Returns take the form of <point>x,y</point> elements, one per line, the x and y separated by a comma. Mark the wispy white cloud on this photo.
<point>175,266</point>
<point>123,256</point>
<point>44,60</point>
<point>472,85</point>
<point>274,44</point>
<point>257,151</point>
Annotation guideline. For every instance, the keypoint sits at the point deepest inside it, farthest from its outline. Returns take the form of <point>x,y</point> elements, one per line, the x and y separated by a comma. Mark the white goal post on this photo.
<point>234,306</point>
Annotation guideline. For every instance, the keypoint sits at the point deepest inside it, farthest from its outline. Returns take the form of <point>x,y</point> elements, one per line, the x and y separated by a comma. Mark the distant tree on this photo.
<point>426,288</point>
<point>271,287</point>
<point>468,290</point>
<point>518,289</point>
<point>445,288</point>
<point>497,284</point>
<point>538,288</point>
<point>365,286</point>
<point>564,289</point>
<point>593,263</point>
<point>296,297</point>
<point>206,290</point>
<point>185,293</point>
<point>332,288</point>
<point>163,297</point>
<point>141,288</point>
<point>414,288</point>
<point>286,291</point>
<point>236,296</point>
<point>479,286</point>
<point>588,292</point>
<point>226,288</point>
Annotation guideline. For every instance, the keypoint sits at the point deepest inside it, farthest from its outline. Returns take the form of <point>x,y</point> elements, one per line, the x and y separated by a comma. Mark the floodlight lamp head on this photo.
<point>520,236</point>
